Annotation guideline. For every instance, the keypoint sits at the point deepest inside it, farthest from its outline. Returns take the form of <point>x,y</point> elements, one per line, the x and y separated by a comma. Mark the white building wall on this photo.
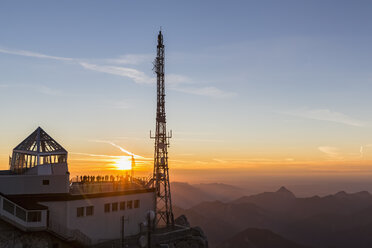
<point>102,226</point>
<point>33,184</point>
<point>57,213</point>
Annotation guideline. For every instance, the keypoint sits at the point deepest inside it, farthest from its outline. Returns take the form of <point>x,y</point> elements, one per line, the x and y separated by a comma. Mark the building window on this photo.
<point>8,206</point>
<point>21,213</point>
<point>122,205</point>
<point>115,206</point>
<point>80,212</point>
<point>89,210</point>
<point>45,182</point>
<point>136,204</point>
<point>129,204</point>
<point>107,207</point>
<point>34,216</point>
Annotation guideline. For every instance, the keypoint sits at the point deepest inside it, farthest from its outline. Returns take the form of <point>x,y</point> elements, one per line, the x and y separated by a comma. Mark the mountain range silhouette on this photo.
<point>336,220</point>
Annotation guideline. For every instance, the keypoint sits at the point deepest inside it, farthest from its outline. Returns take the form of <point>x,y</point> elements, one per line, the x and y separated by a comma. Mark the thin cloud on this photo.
<point>220,161</point>
<point>201,162</point>
<point>331,152</point>
<point>136,75</point>
<point>328,115</point>
<point>33,54</point>
<point>200,140</point>
<point>176,79</point>
<point>35,87</point>
<point>131,59</point>
<point>94,155</point>
<point>364,150</point>
<point>361,151</point>
<point>119,147</point>
<point>186,154</point>
<point>108,158</point>
<point>207,91</point>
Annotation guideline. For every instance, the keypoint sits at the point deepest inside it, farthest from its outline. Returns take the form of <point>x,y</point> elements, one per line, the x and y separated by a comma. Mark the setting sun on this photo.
<point>123,163</point>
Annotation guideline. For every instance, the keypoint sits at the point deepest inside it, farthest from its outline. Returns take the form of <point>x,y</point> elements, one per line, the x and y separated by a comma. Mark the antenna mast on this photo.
<point>164,212</point>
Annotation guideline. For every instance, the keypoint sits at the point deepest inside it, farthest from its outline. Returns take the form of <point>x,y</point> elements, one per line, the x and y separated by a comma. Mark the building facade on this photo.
<point>36,194</point>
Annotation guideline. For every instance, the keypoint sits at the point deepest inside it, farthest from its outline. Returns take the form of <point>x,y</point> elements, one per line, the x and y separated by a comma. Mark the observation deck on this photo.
<point>106,184</point>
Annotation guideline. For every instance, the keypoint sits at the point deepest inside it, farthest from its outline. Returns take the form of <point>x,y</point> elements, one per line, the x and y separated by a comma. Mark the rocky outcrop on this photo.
<point>182,221</point>
<point>11,237</point>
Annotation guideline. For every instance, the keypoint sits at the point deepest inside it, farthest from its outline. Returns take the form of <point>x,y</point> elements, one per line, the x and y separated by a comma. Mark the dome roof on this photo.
<point>37,149</point>
<point>40,143</point>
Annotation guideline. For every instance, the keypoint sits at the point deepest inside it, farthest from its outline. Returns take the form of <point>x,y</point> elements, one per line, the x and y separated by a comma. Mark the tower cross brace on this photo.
<point>163,201</point>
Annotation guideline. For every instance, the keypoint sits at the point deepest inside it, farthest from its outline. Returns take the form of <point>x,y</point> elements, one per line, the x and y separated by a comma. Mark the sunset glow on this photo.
<point>201,124</point>
<point>268,103</point>
<point>123,163</point>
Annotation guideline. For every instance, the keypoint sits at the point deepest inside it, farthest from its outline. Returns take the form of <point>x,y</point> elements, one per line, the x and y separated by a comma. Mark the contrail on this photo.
<point>361,151</point>
<point>95,155</point>
<point>119,147</point>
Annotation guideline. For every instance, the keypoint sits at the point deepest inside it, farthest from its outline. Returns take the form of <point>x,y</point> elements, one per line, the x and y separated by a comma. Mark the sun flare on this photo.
<point>123,163</point>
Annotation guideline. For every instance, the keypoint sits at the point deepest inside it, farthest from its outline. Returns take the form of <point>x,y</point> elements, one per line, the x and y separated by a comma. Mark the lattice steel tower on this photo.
<point>164,212</point>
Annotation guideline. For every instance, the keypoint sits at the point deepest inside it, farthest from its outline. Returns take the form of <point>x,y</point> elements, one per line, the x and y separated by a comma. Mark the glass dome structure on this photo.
<point>37,149</point>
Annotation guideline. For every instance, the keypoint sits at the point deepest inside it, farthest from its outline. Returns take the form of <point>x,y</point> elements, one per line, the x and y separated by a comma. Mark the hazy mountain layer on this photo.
<point>185,195</point>
<point>258,238</point>
<point>338,220</point>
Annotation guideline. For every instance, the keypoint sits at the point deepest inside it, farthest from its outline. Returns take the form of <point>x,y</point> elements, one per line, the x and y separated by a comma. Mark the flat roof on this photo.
<point>32,201</point>
<point>70,197</point>
<point>7,172</point>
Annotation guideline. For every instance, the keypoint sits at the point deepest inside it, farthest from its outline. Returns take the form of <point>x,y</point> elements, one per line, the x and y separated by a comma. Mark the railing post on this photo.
<point>47,219</point>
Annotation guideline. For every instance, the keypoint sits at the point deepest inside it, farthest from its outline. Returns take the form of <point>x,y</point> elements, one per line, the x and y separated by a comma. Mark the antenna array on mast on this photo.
<point>164,212</point>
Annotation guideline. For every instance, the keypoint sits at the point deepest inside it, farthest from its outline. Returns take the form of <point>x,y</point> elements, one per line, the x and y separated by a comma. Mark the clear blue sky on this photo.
<point>284,82</point>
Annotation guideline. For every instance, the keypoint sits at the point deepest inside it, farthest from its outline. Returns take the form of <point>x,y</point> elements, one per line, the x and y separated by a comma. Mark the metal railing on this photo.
<point>27,220</point>
<point>36,220</point>
<point>91,187</point>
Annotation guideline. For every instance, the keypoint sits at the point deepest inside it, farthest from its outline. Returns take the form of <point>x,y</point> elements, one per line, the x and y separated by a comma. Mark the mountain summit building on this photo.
<point>38,195</point>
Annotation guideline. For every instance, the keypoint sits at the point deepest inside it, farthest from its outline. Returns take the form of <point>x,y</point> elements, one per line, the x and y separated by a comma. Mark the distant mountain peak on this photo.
<point>341,194</point>
<point>283,190</point>
<point>363,193</point>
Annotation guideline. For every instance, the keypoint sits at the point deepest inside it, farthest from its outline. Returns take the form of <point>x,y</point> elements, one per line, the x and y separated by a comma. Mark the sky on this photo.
<point>255,89</point>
